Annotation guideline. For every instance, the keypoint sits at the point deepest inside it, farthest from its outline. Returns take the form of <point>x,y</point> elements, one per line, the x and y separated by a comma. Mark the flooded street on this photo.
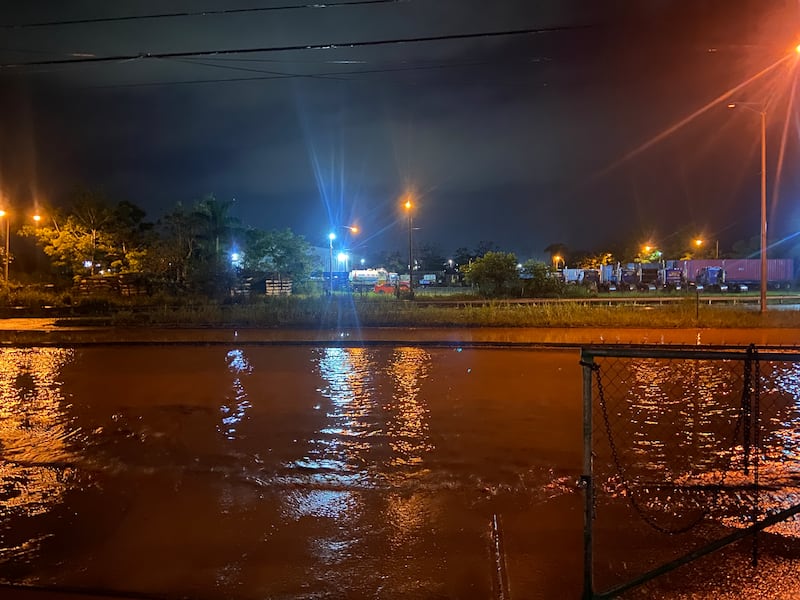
<point>293,471</point>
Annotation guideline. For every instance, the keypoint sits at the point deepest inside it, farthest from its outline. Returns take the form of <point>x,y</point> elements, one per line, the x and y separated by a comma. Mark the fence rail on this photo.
<point>686,449</point>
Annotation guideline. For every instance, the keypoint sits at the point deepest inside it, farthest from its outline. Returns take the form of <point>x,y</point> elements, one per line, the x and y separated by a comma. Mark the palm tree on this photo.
<point>217,223</point>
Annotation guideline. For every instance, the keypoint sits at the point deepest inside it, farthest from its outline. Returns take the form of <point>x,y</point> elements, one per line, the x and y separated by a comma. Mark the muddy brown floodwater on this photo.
<point>242,471</point>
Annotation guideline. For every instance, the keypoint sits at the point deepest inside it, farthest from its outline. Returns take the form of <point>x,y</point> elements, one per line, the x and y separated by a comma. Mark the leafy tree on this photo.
<point>430,258</point>
<point>93,235</point>
<point>281,254</point>
<point>176,245</point>
<point>595,261</point>
<point>394,261</point>
<point>540,280</point>
<point>463,256</point>
<point>212,232</point>
<point>217,227</point>
<point>495,273</point>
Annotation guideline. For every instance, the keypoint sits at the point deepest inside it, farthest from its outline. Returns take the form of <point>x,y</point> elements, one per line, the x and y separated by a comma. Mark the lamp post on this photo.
<point>331,237</point>
<point>408,207</point>
<point>7,217</point>
<point>343,257</point>
<point>699,242</point>
<point>760,109</point>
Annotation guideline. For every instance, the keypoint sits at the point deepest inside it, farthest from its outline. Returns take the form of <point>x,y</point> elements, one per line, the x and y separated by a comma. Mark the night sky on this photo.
<point>547,133</point>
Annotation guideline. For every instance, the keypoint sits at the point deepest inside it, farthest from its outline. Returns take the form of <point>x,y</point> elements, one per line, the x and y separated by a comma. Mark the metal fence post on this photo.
<point>587,362</point>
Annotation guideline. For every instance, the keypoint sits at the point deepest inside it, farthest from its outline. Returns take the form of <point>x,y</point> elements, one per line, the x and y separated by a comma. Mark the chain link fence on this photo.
<point>686,449</point>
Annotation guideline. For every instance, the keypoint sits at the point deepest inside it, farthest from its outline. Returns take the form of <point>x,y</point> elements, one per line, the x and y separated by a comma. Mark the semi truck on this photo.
<point>739,274</point>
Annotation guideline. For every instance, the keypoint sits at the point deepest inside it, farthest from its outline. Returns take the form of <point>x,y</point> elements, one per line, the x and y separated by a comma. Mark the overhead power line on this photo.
<point>266,49</point>
<point>333,76</point>
<point>200,13</point>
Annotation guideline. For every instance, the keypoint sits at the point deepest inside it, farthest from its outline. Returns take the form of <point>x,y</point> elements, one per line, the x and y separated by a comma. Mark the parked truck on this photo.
<point>366,279</point>
<point>739,274</point>
<point>671,278</point>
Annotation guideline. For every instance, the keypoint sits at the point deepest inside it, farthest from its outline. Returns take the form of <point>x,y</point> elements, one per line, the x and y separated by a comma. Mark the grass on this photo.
<point>371,310</point>
<point>347,312</point>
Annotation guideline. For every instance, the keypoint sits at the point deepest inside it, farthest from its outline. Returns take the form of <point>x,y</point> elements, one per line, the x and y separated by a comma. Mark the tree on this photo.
<point>394,262</point>
<point>213,231</point>
<point>280,254</point>
<point>93,235</point>
<point>463,256</point>
<point>176,245</point>
<point>595,261</point>
<point>430,258</point>
<point>540,280</point>
<point>495,273</point>
<point>217,226</point>
<point>558,249</point>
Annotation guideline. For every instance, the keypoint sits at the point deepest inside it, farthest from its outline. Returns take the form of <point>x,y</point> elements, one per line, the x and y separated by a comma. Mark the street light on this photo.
<point>342,258</point>
<point>556,260</point>
<point>408,207</point>
<point>7,217</point>
<point>761,110</point>
<point>699,242</point>
<point>331,237</point>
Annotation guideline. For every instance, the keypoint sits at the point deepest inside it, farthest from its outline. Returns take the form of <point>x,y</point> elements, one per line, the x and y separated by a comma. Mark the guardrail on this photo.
<point>624,300</point>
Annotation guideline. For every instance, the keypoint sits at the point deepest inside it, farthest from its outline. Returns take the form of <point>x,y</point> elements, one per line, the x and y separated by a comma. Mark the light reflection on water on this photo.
<point>408,424</point>
<point>235,409</point>
<point>375,470</point>
<point>341,447</point>
<point>36,464</point>
<point>375,422</point>
<point>678,432</point>
<point>375,416</point>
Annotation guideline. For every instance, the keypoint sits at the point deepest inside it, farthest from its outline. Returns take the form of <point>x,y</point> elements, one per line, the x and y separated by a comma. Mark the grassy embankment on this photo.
<point>376,311</point>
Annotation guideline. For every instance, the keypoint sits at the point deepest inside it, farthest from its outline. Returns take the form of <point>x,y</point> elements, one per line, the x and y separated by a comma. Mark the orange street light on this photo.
<point>7,217</point>
<point>408,207</point>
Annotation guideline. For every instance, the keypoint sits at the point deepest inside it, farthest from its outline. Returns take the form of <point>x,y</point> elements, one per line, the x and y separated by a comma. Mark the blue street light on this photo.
<point>331,237</point>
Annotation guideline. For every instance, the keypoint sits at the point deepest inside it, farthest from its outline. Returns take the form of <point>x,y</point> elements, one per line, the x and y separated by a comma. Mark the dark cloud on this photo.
<point>507,139</point>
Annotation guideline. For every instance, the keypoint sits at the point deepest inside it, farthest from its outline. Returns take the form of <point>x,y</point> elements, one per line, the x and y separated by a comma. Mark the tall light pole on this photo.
<point>699,242</point>
<point>761,110</point>
<point>408,207</point>
<point>7,217</point>
<point>331,237</point>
